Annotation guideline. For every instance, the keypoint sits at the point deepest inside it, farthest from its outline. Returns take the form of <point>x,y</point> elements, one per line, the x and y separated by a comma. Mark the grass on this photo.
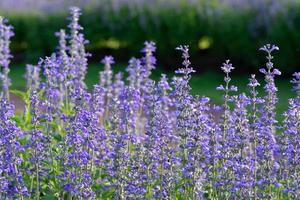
<point>203,84</point>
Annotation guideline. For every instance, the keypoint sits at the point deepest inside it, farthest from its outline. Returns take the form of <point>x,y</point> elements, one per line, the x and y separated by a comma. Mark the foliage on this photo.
<point>213,29</point>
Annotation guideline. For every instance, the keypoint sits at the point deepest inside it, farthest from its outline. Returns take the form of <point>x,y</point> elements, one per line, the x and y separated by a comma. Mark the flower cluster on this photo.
<point>136,138</point>
<point>5,35</point>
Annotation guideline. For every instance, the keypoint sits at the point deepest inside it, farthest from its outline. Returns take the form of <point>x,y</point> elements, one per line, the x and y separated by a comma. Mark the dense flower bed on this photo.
<point>134,138</point>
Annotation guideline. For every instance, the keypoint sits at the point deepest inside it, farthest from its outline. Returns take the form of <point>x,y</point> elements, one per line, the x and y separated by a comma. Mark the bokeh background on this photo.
<point>215,30</point>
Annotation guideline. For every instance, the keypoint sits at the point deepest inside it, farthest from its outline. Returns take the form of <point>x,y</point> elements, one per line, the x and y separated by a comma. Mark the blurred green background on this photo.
<point>215,30</point>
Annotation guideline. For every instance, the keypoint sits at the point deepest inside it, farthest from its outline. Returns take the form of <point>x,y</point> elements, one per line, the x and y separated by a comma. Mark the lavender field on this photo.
<point>132,137</point>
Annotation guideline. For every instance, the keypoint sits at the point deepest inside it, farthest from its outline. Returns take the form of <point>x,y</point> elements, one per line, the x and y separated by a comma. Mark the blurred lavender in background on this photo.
<point>268,7</point>
<point>41,5</point>
<point>264,10</point>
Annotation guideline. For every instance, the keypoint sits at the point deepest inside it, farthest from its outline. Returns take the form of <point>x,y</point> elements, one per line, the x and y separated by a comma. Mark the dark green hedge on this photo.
<point>230,34</point>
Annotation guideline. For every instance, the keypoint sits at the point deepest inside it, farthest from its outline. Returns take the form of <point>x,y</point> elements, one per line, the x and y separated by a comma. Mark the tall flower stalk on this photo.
<point>223,134</point>
<point>11,177</point>
<point>291,148</point>
<point>5,56</point>
<point>254,127</point>
<point>267,149</point>
<point>184,110</point>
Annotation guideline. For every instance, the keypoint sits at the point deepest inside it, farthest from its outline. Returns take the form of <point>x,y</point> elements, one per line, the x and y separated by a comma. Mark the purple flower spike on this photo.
<point>11,178</point>
<point>227,67</point>
<point>108,60</point>
<point>5,56</point>
<point>186,62</point>
<point>149,47</point>
<point>149,60</point>
<point>296,82</point>
<point>269,48</point>
<point>253,82</point>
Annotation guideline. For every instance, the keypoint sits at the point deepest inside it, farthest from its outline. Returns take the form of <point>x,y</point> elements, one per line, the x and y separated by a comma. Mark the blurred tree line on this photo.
<point>215,30</point>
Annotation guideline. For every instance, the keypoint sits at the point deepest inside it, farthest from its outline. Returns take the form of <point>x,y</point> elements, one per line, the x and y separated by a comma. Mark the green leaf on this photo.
<point>48,197</point>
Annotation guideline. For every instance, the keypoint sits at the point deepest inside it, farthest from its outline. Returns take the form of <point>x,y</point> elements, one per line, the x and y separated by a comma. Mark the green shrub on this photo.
<point>212,31</point>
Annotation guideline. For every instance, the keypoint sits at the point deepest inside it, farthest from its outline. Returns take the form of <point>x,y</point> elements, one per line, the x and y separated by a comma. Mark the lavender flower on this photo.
<point>161,143</point>
<point>74,28</point>
<point>99,102</point>
<point>118,84</point>
<point>267,148</point>
<point>33,77</point>
<point>106,77</point>
<point>186,63</point>
<point>148,60</point>
<point>83,137</point>
<point>227,88</point>
<point>77,53</point>
<point>291,150</point>
<point>290,144</point>
<point>296,82</point>
<point>107,74</point>
<point>135,70</point>
<point>5,35</point>
<point>144,139</point>
<point>254,126</point>
<point>239,163</point>
<point>184,104</point>
<point>11,177</point>
<point>62,43</point>
<point>53,86</point>
<point>222,180</point>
